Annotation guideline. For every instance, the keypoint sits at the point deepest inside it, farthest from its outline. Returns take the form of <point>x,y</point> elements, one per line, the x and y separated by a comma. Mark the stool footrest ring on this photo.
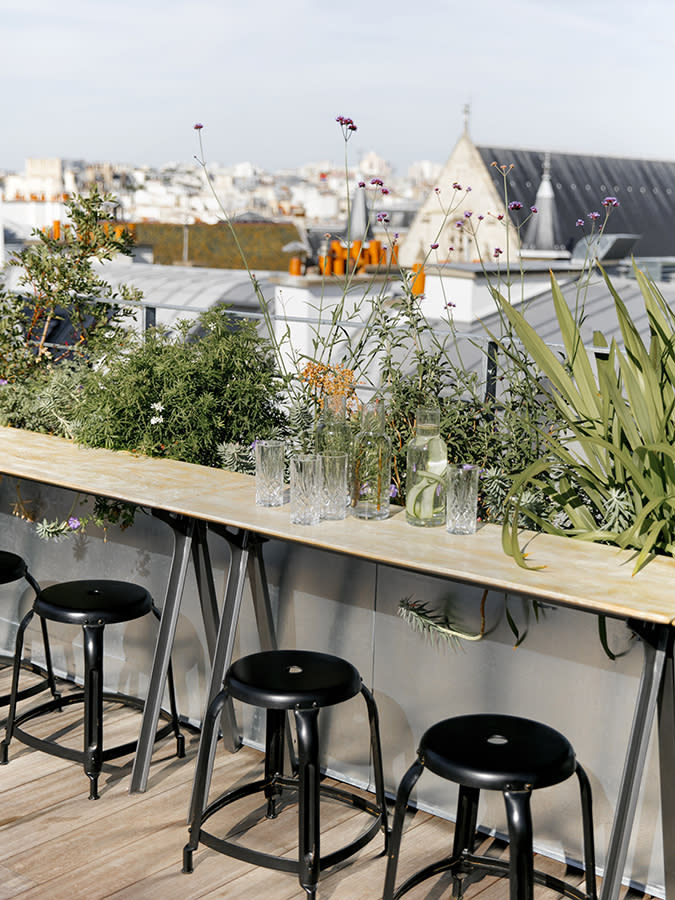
<point>25,693</point>
<point>49,745</point>
<point>474,868</point>
<point>268,860</point>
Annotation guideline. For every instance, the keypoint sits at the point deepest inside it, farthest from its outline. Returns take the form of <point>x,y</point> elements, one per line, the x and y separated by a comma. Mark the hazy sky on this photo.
<point>126,81</point>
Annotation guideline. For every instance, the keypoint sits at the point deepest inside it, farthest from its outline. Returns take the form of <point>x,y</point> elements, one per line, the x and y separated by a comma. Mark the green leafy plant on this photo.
<point>187,393</point>
<point>609,473</point>
<point>58,282</point>
<point>47,399</point>
<point>439,627</point>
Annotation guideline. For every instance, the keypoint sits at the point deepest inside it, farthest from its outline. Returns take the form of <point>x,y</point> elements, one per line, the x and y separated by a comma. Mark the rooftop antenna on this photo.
<point>467,115</point>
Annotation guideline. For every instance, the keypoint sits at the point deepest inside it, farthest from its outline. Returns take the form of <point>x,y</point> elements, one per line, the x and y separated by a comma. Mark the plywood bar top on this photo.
<point>573,573</point>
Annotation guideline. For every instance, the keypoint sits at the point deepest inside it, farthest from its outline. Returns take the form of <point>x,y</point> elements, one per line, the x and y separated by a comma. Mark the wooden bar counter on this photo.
<point>565,572</point>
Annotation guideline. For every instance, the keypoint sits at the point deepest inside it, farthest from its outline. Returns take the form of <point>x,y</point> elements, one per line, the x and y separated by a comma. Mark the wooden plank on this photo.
<point>56,843</point>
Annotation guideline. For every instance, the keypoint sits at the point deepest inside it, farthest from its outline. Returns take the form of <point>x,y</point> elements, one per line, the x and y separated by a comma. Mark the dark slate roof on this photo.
<point>644,188</point>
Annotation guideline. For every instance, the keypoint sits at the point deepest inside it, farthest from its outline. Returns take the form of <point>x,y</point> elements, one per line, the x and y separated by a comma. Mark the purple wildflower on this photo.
<point>515,204</point>
<point>610,201</point>
<point>383,217</point>
<point>377,182</point>
<point>346,123</point>
<point>198,126</point>
<point>434,246</point>
<point>3,381</point>
<point>468,214</point>
<point>457,186</point>
<point>385,190</point>
<point>533,209</point>
<point>393,491</point>
<point>74,523</point>
<point>498,252</point>
<point>362,184</point>
<point>594,215</point>
<point>580,223</point>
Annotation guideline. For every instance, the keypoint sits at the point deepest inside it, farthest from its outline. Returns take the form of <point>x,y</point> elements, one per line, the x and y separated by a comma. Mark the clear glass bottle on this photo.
<point>427,460</point>
<point>371,465</point>
<point>332,429</point>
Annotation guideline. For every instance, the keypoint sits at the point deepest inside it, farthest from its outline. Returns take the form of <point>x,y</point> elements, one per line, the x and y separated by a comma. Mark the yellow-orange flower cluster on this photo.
<point>329,381</point>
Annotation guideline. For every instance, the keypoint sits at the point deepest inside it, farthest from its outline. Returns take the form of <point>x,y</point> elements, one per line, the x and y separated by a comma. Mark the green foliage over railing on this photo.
<point>609,472</point>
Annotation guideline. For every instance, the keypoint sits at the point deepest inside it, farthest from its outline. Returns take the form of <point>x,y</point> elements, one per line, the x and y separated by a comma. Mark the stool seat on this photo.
<point>12,567</point>
<point>283,681</point>
<point>93,602</point>
<point>497,753</point>
<point>292,679</point>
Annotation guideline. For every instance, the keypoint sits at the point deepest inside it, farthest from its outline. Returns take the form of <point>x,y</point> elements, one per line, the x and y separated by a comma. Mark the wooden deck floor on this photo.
<point>56,844</point>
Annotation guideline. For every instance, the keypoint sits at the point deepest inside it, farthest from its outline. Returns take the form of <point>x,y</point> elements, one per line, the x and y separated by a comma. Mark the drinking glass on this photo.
<point>269,473</point>
<point>306,492</point>
<point>334,497</point>
<point>462,498</point>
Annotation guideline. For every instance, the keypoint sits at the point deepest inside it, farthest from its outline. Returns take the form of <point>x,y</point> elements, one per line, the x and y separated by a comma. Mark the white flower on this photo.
<point>155,420</point>
<point>158,407</point>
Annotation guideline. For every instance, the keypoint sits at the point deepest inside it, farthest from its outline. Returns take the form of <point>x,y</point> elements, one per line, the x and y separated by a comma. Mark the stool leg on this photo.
<point>45,637</point>
<point>521,862</point>
<point>589,841</point>
<point>408,782</point>
<point>93,705</point>
<point>202,777</point>
<point>306,721</point>
<point>465,834</point>
<point>48,660</point>
<point>376,751</point>
<point>275,730</point>
<point>11,715</point>
<point>465,823</point>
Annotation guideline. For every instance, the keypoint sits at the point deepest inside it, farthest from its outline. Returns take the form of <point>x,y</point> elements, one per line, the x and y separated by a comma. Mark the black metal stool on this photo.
<point>92,604</point>
<point>496,753</point>
<point>279,681</point>
<point>14,568</point>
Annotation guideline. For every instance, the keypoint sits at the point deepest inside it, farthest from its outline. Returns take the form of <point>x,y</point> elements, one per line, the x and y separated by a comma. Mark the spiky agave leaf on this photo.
<point>433,625</point>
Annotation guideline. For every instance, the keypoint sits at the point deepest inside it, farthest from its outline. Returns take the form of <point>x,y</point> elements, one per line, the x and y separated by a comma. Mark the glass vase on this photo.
<point>333,434</point>
<point>371,465</point>
<point>426,464</point>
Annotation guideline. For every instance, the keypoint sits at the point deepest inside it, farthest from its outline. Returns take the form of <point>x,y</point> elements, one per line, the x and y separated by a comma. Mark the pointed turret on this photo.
<point>539,234</point>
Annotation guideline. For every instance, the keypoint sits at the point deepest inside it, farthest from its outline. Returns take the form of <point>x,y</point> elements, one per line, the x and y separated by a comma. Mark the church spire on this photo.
<point>540,233</point>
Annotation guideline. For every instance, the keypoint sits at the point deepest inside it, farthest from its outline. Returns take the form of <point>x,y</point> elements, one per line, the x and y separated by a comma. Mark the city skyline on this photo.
<point>127,83</point>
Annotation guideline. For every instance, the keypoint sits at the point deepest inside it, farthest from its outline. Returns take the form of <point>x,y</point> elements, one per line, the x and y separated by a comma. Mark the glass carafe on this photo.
<point>427,460</point>
<point>333,433</point>
<point>371,465</point>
